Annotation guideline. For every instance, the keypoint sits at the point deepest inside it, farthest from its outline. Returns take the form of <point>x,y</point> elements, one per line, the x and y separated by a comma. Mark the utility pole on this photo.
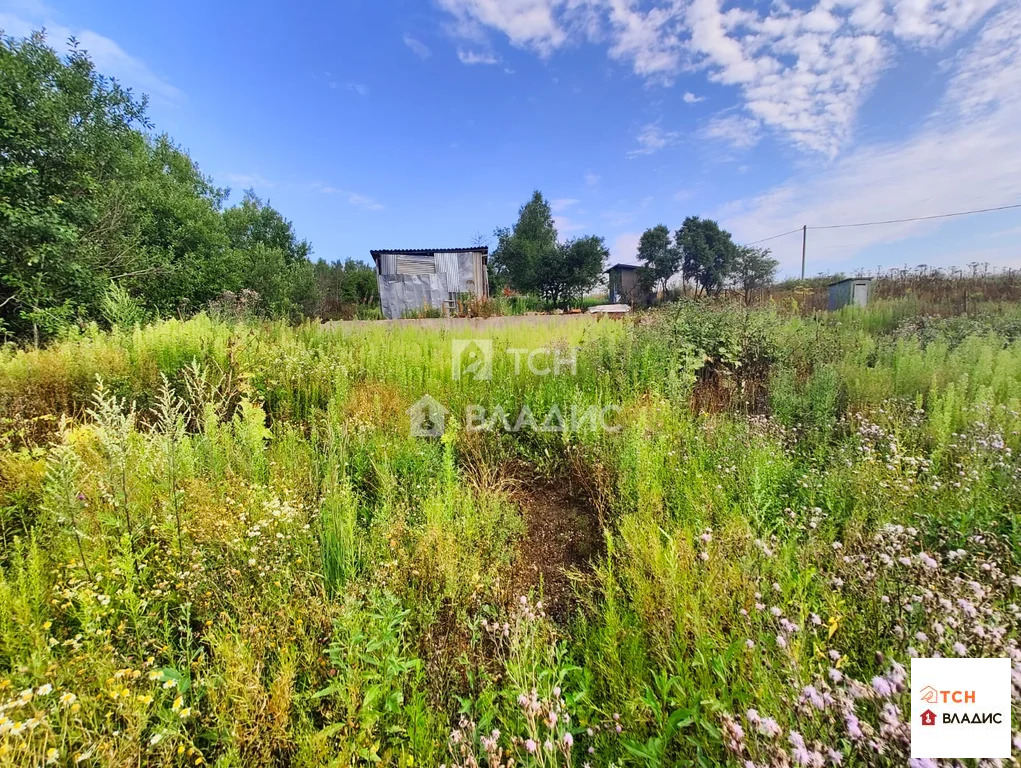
<point>804,242</point>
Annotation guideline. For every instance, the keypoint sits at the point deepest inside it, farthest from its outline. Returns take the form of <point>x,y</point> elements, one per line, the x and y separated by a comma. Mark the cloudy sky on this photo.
<point>395,123</point>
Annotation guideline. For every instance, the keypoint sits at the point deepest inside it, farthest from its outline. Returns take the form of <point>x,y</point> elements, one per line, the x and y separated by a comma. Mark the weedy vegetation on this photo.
<point>220,544</point>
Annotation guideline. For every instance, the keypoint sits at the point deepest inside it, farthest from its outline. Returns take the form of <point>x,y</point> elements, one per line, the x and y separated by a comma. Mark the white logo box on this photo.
<point>975,693</point>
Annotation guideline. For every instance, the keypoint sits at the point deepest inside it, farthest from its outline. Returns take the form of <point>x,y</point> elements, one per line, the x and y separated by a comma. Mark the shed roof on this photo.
<point>624,266</point>
<point>483,249</point>
<point>850,279</point>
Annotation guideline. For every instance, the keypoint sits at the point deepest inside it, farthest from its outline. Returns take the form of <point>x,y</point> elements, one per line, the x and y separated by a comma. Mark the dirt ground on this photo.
<point>563,535</point>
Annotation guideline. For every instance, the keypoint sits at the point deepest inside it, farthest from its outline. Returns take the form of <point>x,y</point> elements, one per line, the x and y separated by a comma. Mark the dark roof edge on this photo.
<point>624,266</point>
<point>483,249</point>
<point>847,280</point>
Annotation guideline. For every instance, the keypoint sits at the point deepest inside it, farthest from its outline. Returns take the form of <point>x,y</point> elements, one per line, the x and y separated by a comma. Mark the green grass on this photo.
<point>220,544</point>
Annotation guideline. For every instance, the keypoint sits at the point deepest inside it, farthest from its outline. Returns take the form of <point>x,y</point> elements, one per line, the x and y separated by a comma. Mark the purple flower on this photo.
<point>769,727</point>
<point>882,686</point>
<point>568,739</point>
<point>853,727</point>
<point>530,745</point>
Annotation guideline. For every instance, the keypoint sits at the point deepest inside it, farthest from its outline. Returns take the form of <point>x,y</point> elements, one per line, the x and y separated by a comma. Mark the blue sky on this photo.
<point>393,123</point>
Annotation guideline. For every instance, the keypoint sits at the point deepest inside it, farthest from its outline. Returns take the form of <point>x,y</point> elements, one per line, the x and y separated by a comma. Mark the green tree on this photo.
<point>529,259</point>
<point>661,259</point>
<point>521,251</point>
<point>65,136</point>
<point>708,254</point>
<point>97,213</point>
<point>754,269</point>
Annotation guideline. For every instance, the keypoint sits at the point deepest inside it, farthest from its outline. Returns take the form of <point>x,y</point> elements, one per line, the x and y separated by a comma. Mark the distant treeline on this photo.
<point>103,219</point>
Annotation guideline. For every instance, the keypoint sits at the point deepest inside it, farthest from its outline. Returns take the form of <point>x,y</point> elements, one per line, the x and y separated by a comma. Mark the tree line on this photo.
<point>103,219</point>
<point>529,258</point>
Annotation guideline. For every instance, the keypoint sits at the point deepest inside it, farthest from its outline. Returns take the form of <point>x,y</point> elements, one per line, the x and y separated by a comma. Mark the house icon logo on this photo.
<point>929,695</point>
<point>928,717</point>
<point>428,417</point>
<point>472,359</point>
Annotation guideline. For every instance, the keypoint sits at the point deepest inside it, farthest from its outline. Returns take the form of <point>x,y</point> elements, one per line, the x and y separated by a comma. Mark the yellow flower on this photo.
<point>156,674</point>
<point>68,698</point>
<point>186,712</point>
<point>180,749</point>
<point>178,703</point>
<point>47,625</point>
<point>51,755</point>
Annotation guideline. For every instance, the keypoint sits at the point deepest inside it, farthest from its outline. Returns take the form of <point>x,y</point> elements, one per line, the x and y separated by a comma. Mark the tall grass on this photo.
<point>222,544</point>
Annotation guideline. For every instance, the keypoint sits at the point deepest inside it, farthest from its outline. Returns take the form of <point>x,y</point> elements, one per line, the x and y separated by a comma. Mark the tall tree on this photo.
<point>754,269</point>
<point>529,259</point>
<point>708,254</point>
<point>661,258</point>
<point>522,251</point>
<point>65,134</point>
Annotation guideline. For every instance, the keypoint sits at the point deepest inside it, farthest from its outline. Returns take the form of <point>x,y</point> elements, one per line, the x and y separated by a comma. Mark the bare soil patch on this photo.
<point>563,535</point>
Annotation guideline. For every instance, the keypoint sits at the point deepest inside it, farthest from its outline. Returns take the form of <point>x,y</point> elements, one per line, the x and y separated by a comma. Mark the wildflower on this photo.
<point>749,644</point>
<point>811,695</point>
<point>835,758</point>
<point>42,690</point>
<point>178,703</point>
<point>703,556</point>
<point>775,610</point>
<point>835,674</point>
<point>781,641</point>
<point>769,727</point>
<point>568,739</point>
<point>853,727</point>
<point>186,712</point>
<point>960,649</point>
<point>548,745</point>
<point>530,745</point>
<point>882,686</point>
<point>52,754</point>
<point>68,698</point>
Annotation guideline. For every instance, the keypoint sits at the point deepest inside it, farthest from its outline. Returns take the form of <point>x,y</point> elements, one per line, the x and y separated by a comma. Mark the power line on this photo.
<point>919,218</point>
<point>889,221</point>
<point>774,237</point>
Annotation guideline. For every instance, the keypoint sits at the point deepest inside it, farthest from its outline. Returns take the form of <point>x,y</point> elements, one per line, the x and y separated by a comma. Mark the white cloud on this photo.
<point>476,57</point>
<point>690,98</point>
<point>565,225</point>
<point>652,138</point>
<point>526,23</point>
<point>625,248</point>
<point>110,59</point>
<point>562,204</point>
<point>801,71</point>
<point>736,130</point>
<point>967,155</point>
<point>591,179</point>
<point>359,88</point>
<point>417,47</point>
<point>247,180</point>
<point>356,199</point>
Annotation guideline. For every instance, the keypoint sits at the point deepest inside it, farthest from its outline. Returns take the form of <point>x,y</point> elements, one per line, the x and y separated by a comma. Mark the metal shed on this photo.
<point>622,280</point>
<point>414,279</point>
<point>851,291</point>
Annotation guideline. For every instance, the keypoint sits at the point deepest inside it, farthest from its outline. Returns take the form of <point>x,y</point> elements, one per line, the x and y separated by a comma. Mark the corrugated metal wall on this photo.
<point>410,282</point>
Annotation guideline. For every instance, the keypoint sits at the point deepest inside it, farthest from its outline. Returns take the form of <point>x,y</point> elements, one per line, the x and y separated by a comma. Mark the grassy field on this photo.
<point>221,544</point>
